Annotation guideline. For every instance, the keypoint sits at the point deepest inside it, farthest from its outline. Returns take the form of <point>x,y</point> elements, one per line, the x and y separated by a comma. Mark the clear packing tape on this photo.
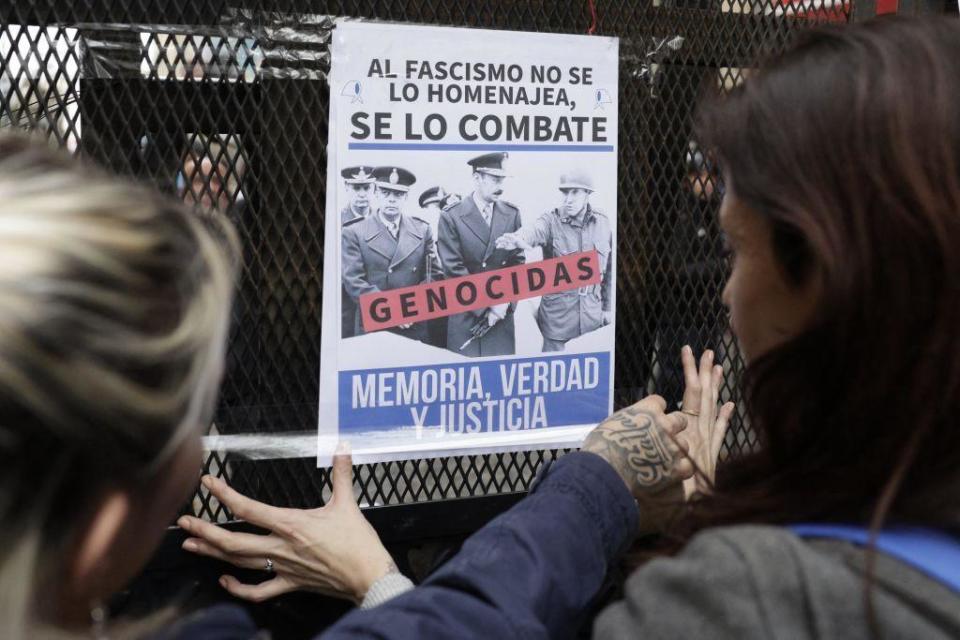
<point>250,45</point>
<point>644,57</point>
<point>247,46</point>
<point>390,447</point>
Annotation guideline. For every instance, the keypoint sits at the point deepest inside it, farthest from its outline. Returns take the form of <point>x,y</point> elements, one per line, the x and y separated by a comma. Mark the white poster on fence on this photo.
<point>469,272</point>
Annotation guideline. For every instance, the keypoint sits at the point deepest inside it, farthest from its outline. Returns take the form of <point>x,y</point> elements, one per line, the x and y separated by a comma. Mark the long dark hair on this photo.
<point>849,145</point>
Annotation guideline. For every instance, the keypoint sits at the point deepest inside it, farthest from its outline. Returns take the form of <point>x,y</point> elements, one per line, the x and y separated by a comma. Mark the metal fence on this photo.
<point>224,104</point>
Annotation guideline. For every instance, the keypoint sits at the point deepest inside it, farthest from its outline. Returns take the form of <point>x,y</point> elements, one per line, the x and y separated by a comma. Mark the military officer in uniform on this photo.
<point>430,206</point>
<point>467,242</point>
<point>388,249</point>
<point>573,227</point>
<point>359,185</point>
<point>358,182</point>
<point>432,201</point>
<point>431,196</point>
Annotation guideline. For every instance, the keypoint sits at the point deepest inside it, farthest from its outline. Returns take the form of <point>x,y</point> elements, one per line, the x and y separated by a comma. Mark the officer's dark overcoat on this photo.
<point>348,307</point>
<point>373,260</point>
<point>468,245</point>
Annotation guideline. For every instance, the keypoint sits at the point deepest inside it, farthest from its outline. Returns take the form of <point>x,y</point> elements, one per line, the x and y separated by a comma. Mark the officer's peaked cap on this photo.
<point>432,195</point>
<point>394,178</point>
<point>491,163</point>
<point>361,174</point>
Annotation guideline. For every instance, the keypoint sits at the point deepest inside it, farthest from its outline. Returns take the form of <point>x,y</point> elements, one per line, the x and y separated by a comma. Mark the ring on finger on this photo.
<point>690,413</point>
<point>268,566</point>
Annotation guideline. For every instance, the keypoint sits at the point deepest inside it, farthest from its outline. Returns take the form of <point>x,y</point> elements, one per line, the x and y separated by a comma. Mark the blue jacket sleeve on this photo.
<point>219,622</point>
<point>529,573</point>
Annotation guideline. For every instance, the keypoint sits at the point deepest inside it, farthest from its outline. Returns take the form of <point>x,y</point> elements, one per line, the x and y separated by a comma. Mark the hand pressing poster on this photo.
<point>469,277</point>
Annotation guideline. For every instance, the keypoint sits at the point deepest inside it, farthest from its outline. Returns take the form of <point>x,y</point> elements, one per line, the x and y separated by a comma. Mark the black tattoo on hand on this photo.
<point>637,448</point>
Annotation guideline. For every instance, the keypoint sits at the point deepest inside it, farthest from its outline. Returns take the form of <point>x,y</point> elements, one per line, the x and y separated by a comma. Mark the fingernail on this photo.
<point>207,481</point>
<point>183,523</point>
<point>189,545</point>
<point>343,448</point>
<point>686,348</point>
<point>223,581</point>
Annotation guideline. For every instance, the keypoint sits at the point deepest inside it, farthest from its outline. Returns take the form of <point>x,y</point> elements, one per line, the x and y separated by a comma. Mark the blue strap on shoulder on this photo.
<point>930,551</point>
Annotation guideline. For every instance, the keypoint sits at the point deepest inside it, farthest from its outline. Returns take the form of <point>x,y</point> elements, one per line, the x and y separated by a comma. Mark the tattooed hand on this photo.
<point>639,443</point>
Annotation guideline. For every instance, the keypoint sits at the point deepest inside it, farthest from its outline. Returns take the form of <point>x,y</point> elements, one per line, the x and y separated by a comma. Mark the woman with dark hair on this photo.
<point>841,163</point>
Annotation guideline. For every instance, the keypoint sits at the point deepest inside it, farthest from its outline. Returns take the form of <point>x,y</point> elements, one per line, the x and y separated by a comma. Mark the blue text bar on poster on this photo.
<point>465,397</point>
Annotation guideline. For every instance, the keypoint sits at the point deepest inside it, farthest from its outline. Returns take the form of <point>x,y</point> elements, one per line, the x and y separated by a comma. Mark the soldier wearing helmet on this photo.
<point>572,227</point>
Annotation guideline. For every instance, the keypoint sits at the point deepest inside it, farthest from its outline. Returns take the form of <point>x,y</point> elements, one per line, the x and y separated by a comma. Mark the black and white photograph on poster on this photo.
<point>470,261</point>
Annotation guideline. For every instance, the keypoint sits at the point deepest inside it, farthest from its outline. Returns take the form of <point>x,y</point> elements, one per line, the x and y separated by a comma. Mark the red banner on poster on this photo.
<point>385,309</point>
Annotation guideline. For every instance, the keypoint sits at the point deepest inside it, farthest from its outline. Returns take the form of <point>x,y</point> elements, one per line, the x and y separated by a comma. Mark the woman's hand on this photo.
<point>640,443</point>
<point>331,550</point>
<point>706,423</point>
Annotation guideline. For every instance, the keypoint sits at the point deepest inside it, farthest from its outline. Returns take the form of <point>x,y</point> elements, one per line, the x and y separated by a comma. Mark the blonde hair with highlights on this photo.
<point>114,312</point>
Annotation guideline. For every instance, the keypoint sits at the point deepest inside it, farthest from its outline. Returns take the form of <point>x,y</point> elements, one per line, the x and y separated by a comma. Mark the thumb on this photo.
<point>343,473</point>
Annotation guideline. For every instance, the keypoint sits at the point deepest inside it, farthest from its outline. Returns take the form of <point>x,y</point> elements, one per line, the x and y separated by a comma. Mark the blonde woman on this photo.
<point>113,317</point>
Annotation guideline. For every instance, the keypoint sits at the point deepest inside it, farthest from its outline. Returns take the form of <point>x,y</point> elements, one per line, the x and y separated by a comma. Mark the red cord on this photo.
<point>593,16</point>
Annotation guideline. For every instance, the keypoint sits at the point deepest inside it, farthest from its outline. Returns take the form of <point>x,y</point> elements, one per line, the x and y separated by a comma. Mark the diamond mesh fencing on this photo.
<point>224,104</point>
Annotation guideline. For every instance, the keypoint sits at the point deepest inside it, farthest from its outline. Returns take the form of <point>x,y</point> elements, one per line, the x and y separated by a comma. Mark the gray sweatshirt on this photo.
<point>764,582</point>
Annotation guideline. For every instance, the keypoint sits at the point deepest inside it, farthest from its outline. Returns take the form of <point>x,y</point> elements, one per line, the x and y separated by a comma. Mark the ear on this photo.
<point>98,541</point>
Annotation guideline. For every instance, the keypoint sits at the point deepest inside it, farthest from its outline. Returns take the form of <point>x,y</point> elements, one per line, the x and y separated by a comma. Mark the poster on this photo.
<point>470,253</point>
